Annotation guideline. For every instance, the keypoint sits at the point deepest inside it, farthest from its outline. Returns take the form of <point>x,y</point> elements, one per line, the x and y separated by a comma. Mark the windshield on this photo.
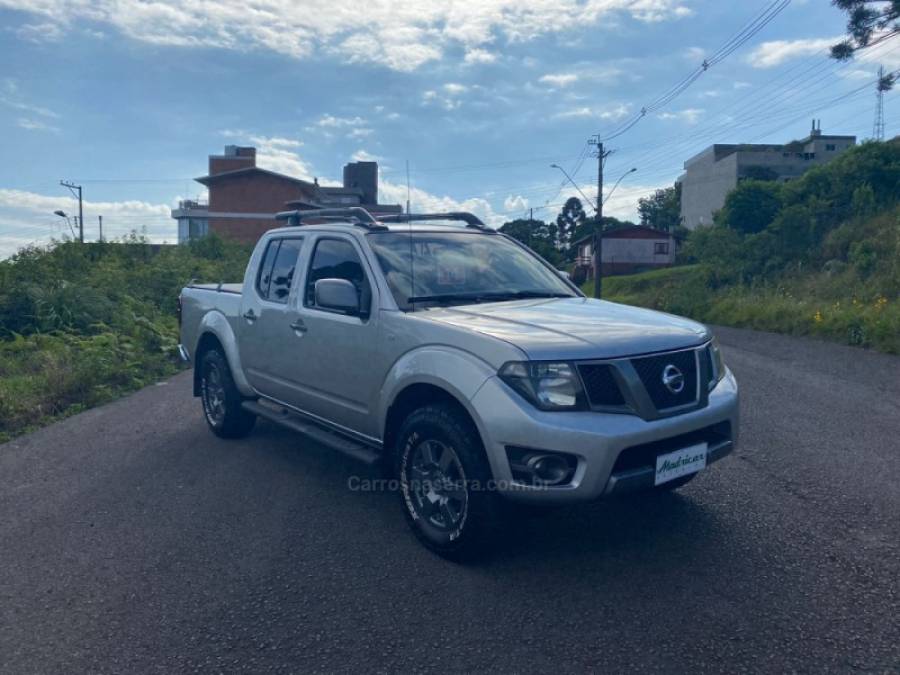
<point>457,268</point>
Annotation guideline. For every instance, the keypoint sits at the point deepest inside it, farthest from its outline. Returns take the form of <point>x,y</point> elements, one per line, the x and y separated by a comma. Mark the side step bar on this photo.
<point>287,418</point>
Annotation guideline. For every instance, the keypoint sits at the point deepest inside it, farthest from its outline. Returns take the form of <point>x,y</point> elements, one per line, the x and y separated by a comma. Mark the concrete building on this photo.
<point>629,249</point>
<point>710,175</point>
<point>243,198</point>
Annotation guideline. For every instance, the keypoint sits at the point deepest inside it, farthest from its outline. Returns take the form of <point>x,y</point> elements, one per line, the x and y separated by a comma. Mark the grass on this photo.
<point>841,308</point>
<point>81,325</point>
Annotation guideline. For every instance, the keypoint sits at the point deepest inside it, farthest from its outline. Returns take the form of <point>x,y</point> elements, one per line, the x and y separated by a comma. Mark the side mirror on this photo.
<point>338,295</point>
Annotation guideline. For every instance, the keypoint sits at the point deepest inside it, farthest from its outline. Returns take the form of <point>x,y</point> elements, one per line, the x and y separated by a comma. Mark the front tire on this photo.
<point>221,398</point>
<point>445,482</point>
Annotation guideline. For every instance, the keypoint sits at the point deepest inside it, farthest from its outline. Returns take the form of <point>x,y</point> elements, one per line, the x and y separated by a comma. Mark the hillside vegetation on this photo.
<point>83,323</point>
<point>816,256</point>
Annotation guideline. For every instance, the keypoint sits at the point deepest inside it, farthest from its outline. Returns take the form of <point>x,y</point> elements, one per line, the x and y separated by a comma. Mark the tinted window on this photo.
<point>283,270</point>
<point>265,269</point>
<point>337,259</point>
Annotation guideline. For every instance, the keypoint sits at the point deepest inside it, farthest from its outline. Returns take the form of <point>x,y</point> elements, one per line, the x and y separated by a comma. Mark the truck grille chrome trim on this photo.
<point>650,386</point>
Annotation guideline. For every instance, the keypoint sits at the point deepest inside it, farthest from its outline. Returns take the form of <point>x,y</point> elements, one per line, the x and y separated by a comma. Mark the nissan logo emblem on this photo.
<point>673,379</point>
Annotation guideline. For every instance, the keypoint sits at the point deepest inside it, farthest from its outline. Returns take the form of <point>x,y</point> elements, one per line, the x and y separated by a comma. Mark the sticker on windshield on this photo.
<point>451,276</point>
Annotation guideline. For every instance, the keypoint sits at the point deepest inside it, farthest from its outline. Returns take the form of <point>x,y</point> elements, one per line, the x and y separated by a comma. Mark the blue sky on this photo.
<point>480,96</point>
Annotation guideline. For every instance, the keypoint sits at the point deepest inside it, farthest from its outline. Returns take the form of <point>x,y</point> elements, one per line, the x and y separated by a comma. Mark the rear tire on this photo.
<point>446,489</point>
<point>221,398</point>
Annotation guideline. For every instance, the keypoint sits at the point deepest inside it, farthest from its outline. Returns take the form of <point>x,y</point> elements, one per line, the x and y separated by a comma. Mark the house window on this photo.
<point>661,248</point>
<point>829,146</point>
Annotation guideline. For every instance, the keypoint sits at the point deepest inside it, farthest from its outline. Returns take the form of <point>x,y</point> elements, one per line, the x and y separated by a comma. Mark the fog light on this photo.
<point>548,469</point>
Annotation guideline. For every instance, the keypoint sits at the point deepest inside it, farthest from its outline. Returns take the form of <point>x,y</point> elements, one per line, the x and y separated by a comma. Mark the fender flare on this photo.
<point>457,372</point>
<point>214,323</point>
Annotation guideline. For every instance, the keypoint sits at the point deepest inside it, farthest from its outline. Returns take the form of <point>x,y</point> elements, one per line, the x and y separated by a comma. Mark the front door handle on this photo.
<point>298,326</point>
<point>250,315</point>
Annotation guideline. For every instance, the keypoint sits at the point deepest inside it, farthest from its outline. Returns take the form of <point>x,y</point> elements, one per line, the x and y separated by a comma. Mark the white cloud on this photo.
<point>400,36</point>
<point>27,217</point>
<point>40,32</point>
<point>695,54</point>
<point>275,153</point>
<point>337,122</point>
<point>688,115</point>
<point>776,52</point>
<point>31,124</point>
<point>615,112</point>
<point>515,203</point>
<point>360,132</point>
<point>559,79</point>
<point>434,97</point>
<point>11,97</point>
<point>454,88</point>
<point>479,55</point>
<point>363,156</point>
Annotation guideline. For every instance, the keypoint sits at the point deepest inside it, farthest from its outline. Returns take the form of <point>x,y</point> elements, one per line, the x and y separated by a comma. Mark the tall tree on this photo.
<point>869,23</point>
<point>661,210</point>
<point>751,206</point>
<point>569,218</point>
<point>539,236</point>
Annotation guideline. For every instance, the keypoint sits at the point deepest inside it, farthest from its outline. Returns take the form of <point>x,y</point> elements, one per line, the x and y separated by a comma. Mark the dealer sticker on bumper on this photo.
<point>680,463</point>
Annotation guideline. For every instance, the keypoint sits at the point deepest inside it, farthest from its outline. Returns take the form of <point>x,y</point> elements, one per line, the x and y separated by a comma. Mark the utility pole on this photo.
<point>878,130</point>
<point>530,224</point>
<point>597,241</point>
<point>72,187</point>
<point>100,218</point>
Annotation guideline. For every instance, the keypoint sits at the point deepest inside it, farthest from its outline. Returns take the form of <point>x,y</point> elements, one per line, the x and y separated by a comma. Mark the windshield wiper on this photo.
<point>487,296</point>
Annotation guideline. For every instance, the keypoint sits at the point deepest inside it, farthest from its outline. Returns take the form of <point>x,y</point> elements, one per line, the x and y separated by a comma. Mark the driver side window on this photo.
<point>337,259</point>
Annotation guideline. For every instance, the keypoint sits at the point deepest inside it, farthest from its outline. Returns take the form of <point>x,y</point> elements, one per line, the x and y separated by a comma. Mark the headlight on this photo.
<point>548,386</point>
<point>718,364</point>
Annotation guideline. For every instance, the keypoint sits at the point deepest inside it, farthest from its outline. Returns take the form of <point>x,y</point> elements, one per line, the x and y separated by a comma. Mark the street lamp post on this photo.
<point>62,214</point>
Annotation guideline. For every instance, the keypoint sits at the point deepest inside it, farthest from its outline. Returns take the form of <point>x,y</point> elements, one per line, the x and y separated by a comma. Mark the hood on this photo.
<point>574,328</point>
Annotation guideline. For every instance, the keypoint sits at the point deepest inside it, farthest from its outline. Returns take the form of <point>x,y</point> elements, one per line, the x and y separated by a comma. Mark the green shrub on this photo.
<point>81,324</point>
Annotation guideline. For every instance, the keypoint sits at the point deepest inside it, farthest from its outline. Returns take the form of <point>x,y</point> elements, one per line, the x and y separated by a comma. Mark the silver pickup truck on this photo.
<point>460,361</point>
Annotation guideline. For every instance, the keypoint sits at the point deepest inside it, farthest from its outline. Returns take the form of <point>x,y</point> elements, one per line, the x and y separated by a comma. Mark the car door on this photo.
<point>337,377</point>
<point>266,337</point>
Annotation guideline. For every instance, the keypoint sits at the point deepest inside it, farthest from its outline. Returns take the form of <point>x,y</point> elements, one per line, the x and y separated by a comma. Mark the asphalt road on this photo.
<point>132,540</point>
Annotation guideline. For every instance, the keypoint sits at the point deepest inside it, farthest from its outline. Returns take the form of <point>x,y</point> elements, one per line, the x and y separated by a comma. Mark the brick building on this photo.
<point>243,198</point>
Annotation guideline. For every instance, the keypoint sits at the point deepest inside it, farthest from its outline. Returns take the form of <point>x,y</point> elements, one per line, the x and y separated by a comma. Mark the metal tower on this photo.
<point>878,128</point>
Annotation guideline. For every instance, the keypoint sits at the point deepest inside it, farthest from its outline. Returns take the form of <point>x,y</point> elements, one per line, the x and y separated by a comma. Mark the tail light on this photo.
<point>178,311</point>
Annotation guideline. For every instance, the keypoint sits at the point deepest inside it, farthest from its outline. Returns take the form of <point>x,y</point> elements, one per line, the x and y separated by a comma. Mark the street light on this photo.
<point>575,185</point>
<point>62,214</point>
<point>632,170</point>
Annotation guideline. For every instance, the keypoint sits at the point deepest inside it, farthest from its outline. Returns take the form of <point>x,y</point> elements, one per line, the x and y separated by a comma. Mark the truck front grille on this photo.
<point>653,371</point>
<point>600,384</point>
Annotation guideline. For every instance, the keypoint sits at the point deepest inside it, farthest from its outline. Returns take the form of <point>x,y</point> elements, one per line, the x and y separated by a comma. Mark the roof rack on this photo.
<point>355,215</point>
<point>470,219</point>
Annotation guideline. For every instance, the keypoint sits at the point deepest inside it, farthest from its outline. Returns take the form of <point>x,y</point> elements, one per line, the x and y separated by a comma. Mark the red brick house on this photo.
<point>243,198</point>
<point>628,249</point>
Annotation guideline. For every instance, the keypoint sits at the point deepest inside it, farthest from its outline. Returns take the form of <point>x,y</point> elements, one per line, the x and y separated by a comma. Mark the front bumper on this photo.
<point>597,440</point>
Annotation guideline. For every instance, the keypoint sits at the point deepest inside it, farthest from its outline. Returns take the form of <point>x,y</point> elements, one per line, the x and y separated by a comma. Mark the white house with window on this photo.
<point>629,249</point>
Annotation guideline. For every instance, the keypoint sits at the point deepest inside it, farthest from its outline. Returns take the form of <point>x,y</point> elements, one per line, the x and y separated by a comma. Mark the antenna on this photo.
<point>412,269</point>
<point>407,187</point>
<point>878,127</point>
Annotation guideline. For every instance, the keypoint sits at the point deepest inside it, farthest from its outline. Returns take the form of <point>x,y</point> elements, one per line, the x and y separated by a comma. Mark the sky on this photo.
<point>480,97</point>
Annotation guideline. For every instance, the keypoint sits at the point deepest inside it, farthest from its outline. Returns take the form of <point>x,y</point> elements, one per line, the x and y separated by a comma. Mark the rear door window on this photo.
<point>283,270</point>
<point>264,277</point>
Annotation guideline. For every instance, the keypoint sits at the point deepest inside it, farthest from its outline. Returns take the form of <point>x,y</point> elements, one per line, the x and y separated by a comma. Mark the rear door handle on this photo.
<point>298,326</point>
<point>250,315</point>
